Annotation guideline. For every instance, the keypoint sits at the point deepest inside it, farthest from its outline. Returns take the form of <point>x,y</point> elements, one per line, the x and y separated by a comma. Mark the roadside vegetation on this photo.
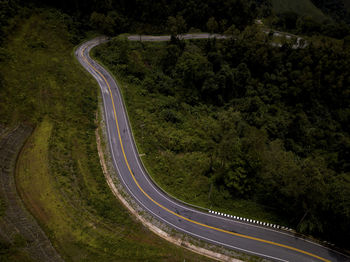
<point>235,125</point>
<point>12,252</point>
<point>244,127</point>
<point>58,173</point>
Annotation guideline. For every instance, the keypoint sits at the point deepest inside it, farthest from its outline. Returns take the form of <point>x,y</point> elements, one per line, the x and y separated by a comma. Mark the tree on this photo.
<point>191,71</point>
<point>102,23</point>
<point>338,214</point>
<point>120,21</point>
<point>281,182</point>
<point>232,31</point>
<point>170,58</point>
<point>171,24</point>
<point>313,198</point>
<point>176,25</point>
<point>212,25</point>
<point>241,77</point>
<point>346,41</point>
<point>181,24</point>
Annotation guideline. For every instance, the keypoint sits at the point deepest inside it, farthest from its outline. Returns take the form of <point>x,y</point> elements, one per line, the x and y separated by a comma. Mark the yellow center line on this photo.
<point>172,212</point>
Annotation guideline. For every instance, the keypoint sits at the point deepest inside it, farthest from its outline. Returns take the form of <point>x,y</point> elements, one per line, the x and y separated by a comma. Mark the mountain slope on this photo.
<point>58,173</point>
<point>300,7</point>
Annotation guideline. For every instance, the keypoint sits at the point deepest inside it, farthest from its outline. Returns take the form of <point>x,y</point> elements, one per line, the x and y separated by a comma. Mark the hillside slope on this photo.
<point>300,7</point>
<point>58,173</point>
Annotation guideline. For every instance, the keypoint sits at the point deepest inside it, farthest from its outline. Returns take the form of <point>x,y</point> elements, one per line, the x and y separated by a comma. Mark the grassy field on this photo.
<point>300,7</point>
<point>58,172</point>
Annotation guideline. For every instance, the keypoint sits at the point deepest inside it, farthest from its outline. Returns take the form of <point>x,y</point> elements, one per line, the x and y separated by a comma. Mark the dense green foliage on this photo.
<point>113,17</point>
<point>60,176</point>
<point>299,7</point>
<point>226,124</point>
<point>257,122</point>
<point>334,8</point>
<point>303,17</point>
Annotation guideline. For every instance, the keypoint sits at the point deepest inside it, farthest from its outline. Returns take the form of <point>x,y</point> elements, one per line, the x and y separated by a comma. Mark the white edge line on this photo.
<point>178,204</point>
<point>183,230</point>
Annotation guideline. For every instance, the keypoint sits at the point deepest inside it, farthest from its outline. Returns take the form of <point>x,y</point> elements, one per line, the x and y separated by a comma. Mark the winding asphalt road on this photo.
<point>249,238</point>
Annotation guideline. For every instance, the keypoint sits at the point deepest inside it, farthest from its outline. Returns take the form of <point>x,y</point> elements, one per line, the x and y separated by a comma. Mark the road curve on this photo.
<point>252,239</point>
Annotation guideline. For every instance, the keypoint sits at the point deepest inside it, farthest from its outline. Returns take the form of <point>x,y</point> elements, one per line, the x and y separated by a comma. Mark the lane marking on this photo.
<point>175,214</point>
<point>183,205</point>
<point>175,226</point>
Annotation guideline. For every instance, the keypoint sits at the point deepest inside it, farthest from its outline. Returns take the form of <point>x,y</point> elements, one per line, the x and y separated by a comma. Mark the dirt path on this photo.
<point>17,220</point>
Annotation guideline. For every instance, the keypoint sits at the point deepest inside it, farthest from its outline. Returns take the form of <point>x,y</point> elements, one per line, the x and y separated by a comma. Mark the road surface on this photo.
<point>246,237</point>
<point>299,42</point>
<point>153,38</point>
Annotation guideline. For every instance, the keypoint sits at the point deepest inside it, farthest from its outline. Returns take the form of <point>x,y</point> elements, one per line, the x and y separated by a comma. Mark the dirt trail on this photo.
<point>17,220</point>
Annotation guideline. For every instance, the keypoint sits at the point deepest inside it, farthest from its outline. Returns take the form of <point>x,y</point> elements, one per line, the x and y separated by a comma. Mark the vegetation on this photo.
<point>299,7</point>
<point>315,17</point>
<point>59,174</point>
<point>2,207</point>
<point>225,123</point>
<point>15,251</point>
<point>78,210</point>
<point>112,17</point>
<point>337,9</point>
<point>235,125</point>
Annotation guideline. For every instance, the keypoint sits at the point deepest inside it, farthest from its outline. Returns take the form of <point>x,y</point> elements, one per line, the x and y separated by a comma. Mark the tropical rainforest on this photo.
<point>231,120</point>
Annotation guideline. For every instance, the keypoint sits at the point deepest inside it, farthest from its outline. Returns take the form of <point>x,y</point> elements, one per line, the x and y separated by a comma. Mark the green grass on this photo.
<point>300,7</point>
<point>58,173</point>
